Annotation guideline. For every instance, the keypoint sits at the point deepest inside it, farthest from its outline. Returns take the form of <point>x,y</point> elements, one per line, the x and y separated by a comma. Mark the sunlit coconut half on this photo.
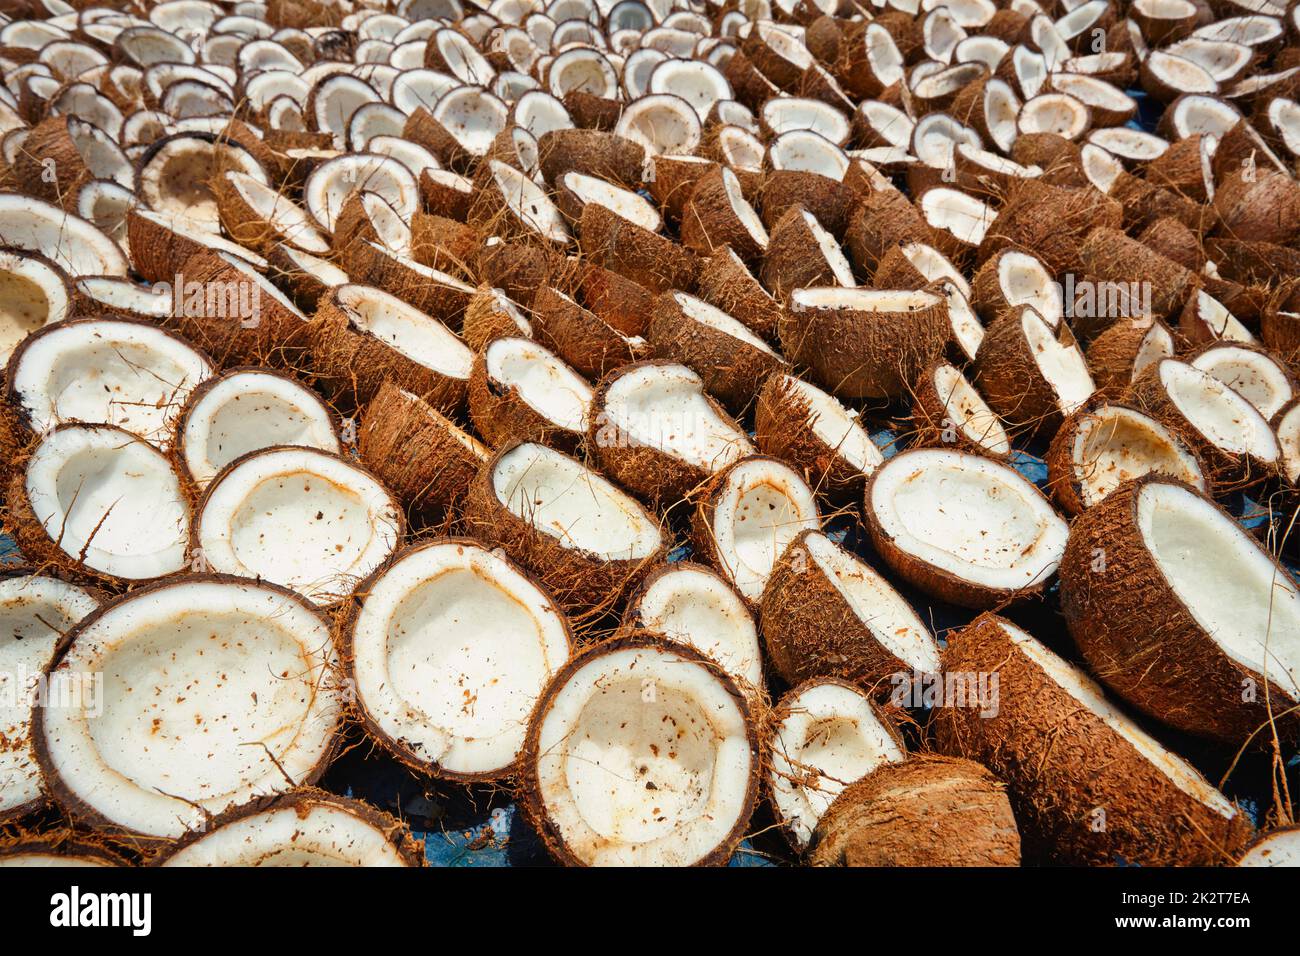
<point>1196,588</point>
<point>34,292</point>
<point>947,410</point>
<point>1233,440</point>
<point>1286,424</point>
<point>1252,372</point>
<point>575,190</point>
<point>827,735</point>
<point>259,216</point>
<point>35,612</point>
<point>959,219</point>
<point>449,652</point>
<point>716,214</point>
<point>330,184</point>
<point>125,373</point>
<point>98,500</point>
<point>1031,373</point>
<point>662,123</point>
<point>586,540</point>
<point>1129,144</point>
<point>186,699</point>
<point>801,252</point>
<point>73,244</point>
<point>963,527</point>
<point>655,431</point>
<point>1279,847</point>
<point>641,753</point>
<point>521,391</point>
<point>689,603</point>
<point>296,516</point>
<point>244,410</point>
<point>1159,811</point>
<point>173,176</point>
<point>305,827</point>
<point>1013,278</point>
<point>460,127</point>
<point>511,205</point>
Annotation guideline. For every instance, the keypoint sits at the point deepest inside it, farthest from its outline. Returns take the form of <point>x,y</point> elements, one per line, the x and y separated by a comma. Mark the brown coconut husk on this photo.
<point>882,221</point>
<point>1060,159</point>
<point>485,320</point>
<point>301,286</point>
<point>1050,222</point>
<point>750,86</point>
<point>827,199</point>
<point>443,199</point>
<point>647,258</point>
<point>1174,240</point>
<point>622,304</point>
<point>519,269</point>
<point>794,258</point>
<point>49,149</point>
<point>1109,255</point>
<point>726,282</point>
<point>590,111</point>
<point>925,811</point>
<point>369,263</point>
<point>1039,740</point>
<point>1262,206</point>
<point>675,178</point>
<point>579,336</point>
<point>987,295</point>
<point>1179,169</point>
<point>709,222</point>
<point>446,245</point>
<point>502,416</point>
<point>596,153</point>
<point>1112,354</point>
<point>1010,379</point>
<point>1145,203</point>
<point>934,422</point>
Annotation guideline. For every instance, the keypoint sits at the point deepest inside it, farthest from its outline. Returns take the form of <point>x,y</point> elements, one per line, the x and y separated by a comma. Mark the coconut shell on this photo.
<point>519,269</point>
<point>1009,378</point>
<point>352,226</point>
<point>597,153</point>
<point>1060,159</point>
<point>1280,331</point>
<point>1063,763</point>
<point>621,303</point>
<point>442,199</point>
<point>1174,240</point>
<point>827,199</point>
<point>242,222</point>
<point>932,421</point>
<point>1109,255</point>
<point>301,286</point>
<point>1179,168</point>
<point>1144,204</point>
<point>446,245</point>
<point>1143,642</point>
<point>882,221</point>
<point>1113,354</point>
<point>645,257</point>
<point>1261,205</point>
<point>48,164</point>
<point>709,222</point>
<point>485,320</point>
<point>369,264</point>
<point>423,129</point>
<point>157,253</point>
<point>1050,222</point>
<point>726,282</point>
<point>590,111</point>
<point>675,178</point>
<point>794,258</point>
<point>987,294</point>
<point>579,336</point>
<point>748,83</point>
<point>925,811</point>
<point>502,416</point>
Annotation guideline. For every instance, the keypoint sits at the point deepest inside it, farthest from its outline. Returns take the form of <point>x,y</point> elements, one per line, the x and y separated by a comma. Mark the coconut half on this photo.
<point>662,123</point>
<point>947,410</point>
<point>521,391</point>
<point>74,244</point>
<point>641,753</point>
<point>1254,374</point>
<point>1032,373</point>
<point>1280,847</point>
<point>143,750</point>
<point>34,292</point>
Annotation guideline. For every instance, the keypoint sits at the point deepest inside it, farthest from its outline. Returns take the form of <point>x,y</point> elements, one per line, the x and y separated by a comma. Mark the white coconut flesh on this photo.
<point>249,410</point>
<point>1181,74</point>
<point>760,508</point>
<point>1115,444</point>
<point>803,150</point>
<point>1157,344</point>
<point>1284,117</point>
<point>32,294</point>
<point>694,606</point>
<point>1243,601</point>
<point>566,500</point>
<point>1101,168</point>
<point>1218,413</point>
<point>644,759</point>
<point>970,516</point>
<point>411,155</point>
<point>1276,849</point>
<point>862,300</point>
<point>1086,691</point>
<point>790,113</point>
<point>936,136</point>
<point>1058,113</point>
<point>889,122</point>
<point>741,148</point>
<point>1203,114</point>
<point>406,330</point>
<point>70,241</point>
<point>462,58</point>
<point>965,217</point>
<point>968,411</point>
<point>281,212</point>
<point>1220,323</point>
<point>662,123</point>
<point>206,694</point>
<point>333,181</point>
<point>699,84</point>
<point>1252,30</point>
<point>1024,281</point>
<point>209,240</point>
<point>543,382</point>
<point>452,649</point>
<point>306,834</point>
<point>883,56</point>
<point>836,427</point>
<point>582,70</point>
<point>529,202</point>
<point>540,113</point>
<point>1131,144</point>
<point>621,202</point>
<point>665,407</point>
<point>1288,438</point>
<point>831,252</point>
<point>128,374</point>
<point>966,327</point>
<point>472,116</point>
<point>393,232</point>
<point>830,738</point>
<point>335,101</point>
<point>1061,363</point>
<point>174,181</point>
<point>742,210</point>
<point>124,297</point>
<point>35,612</point>
<point>1256,376</point>
<point>934,265</point>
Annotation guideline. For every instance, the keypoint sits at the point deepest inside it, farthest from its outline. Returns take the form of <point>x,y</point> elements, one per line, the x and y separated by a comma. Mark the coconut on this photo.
<point>121,298</point>
<point>329,185</point>
<point>947,410</point>
<point>1121,353</point>
<point>72,243</point>
<point>717,215</point>
<point>579,336</point>
<point>174,173</point>
<point>450,51</point>
<point>924,811</point>
<point>305,827</point>
<point>827,735</point>
<point>586,540</point>
<point>1277,847</point>
<point>440,295</point>
<point>34,291</point>
<point>1257,375</point>
<point>256,215</point>
<point>1050,222</point>
<point>1001,545</point>
<point>1260,204</point>
<point>1233,440</point>
<point>990,107</point>
<point>445,245</point>
<point>63,153</point>
<point>649,259</point>
<point>275,659</point>
<point>1012,278</point>
<point>520,391</point>
<point>1088,785</point>
<point>575,190</point>
<point>445,193</point>
<point>305,277</point>
<point>603,155</point>
<point>1180,581</point>
<point>673,178</point>
<point>1205,320</point>
<point>690,604</point>
<point>883,220</point>
<point>802,253</point>
<point>490,315</point>
<point>519,269</point>
<point>808,171</point>
<point>870,62</point>
<point>1031,373</point>
<point>727,283</point>
<point>619,302</point>
<point>694,740</point>
<point>57,849</point>
<point>1174,240</point>
<point>450,695</point>
<point>296,516</point>
<point>367,217</point>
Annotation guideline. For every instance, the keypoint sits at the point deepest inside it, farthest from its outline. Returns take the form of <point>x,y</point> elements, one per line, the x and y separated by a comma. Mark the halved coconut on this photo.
<point>1233,440</point>
<point>520,391</point>
<point>57,849</point>
<point>662,123</point>
<point>1286,424</point>
<point>125,373</point>
<point>801,253</point>
<point>813,431</point>
<point>641,753</point>
<point>1133,145</point>
<point>449,652</point>
<point>967,332</point>
<point>873,63</point>
<point>34,292</point>
<point>575,190</point>
<point>74,245</point>
<point>1014,278</point>
<point>690,604</point>
<point>258,216</point>
<point>442,296</point>
<point>121,298</point>
<point>1277,847</point>
<point>1255,374</point>
<point>461,126</point>
<point>699,83</point>
<point>1058,113</point>
<point>492,314</point>
<point>510,204</point>
<point>924,811</point>
<point>647,258</point>
<point>1103,445</point>
<point>94,499</point>
<point>1120,354</point>
<point>1142,804</point>
<point>63,153</point>
<point>1181,581</point>
<point>173,176</point>
<point>247,409</point>
<point>825,613</point>
<point>1204,320</point>
<point>306,277</point>
<point>305,827</point>
<point>726,282</point>
<point>585,340</point>
<point>963,527</point>
<point>1032,374</point>
<point>598,153</point>
<point>451,51</point>
<point>264,653</point>
<point>584,538</point>
<point>367,217</point>
<point>160,245</point>
<point>960,221</point>
<point>947,410</point>
<point>717,214</point>
<point>655,431</point>
<point>35,612</point>
<point>330,184</point>
<point>827,735</point>
<point>1105,105</point>
<point>1166,76</point>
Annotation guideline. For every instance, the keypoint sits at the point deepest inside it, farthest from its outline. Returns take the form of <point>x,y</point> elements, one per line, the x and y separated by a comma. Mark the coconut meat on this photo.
<point>643,759</point>
<point>1257,377</point>
<point>662,123</point>
<point>883,56</point>
<point>1221,415</point>
<point>210,693</point>
<point>407,330</point>
<point>32,294</point>
<point>934,265</point>
<point>1157,344</point>
<point>970,516</point>
<point>249,410</point>
<point>828,738</point>
<point>621,202</point>
<point>742,210</point>
<point>740,148</point>
<point>1221,323</point>
<point>965,217</point>
<point>1275,849</point>
<point>889,122</point>
<point>452,648</point>
<point>298,517</point>
<point>831,251</point>
<point>332,182</point>
<point>563,498</point>
<point>1114,444</point>
<point>1288,438</point>
<point>529,202</point>
<point>836,427</point>
<point>1024,281</point>
<point>543,382</point>
<point>714,318</point>
<point>968,410</point>
<point>1086,691</point>
<point>73,243</point>
<point>1061,363</point>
